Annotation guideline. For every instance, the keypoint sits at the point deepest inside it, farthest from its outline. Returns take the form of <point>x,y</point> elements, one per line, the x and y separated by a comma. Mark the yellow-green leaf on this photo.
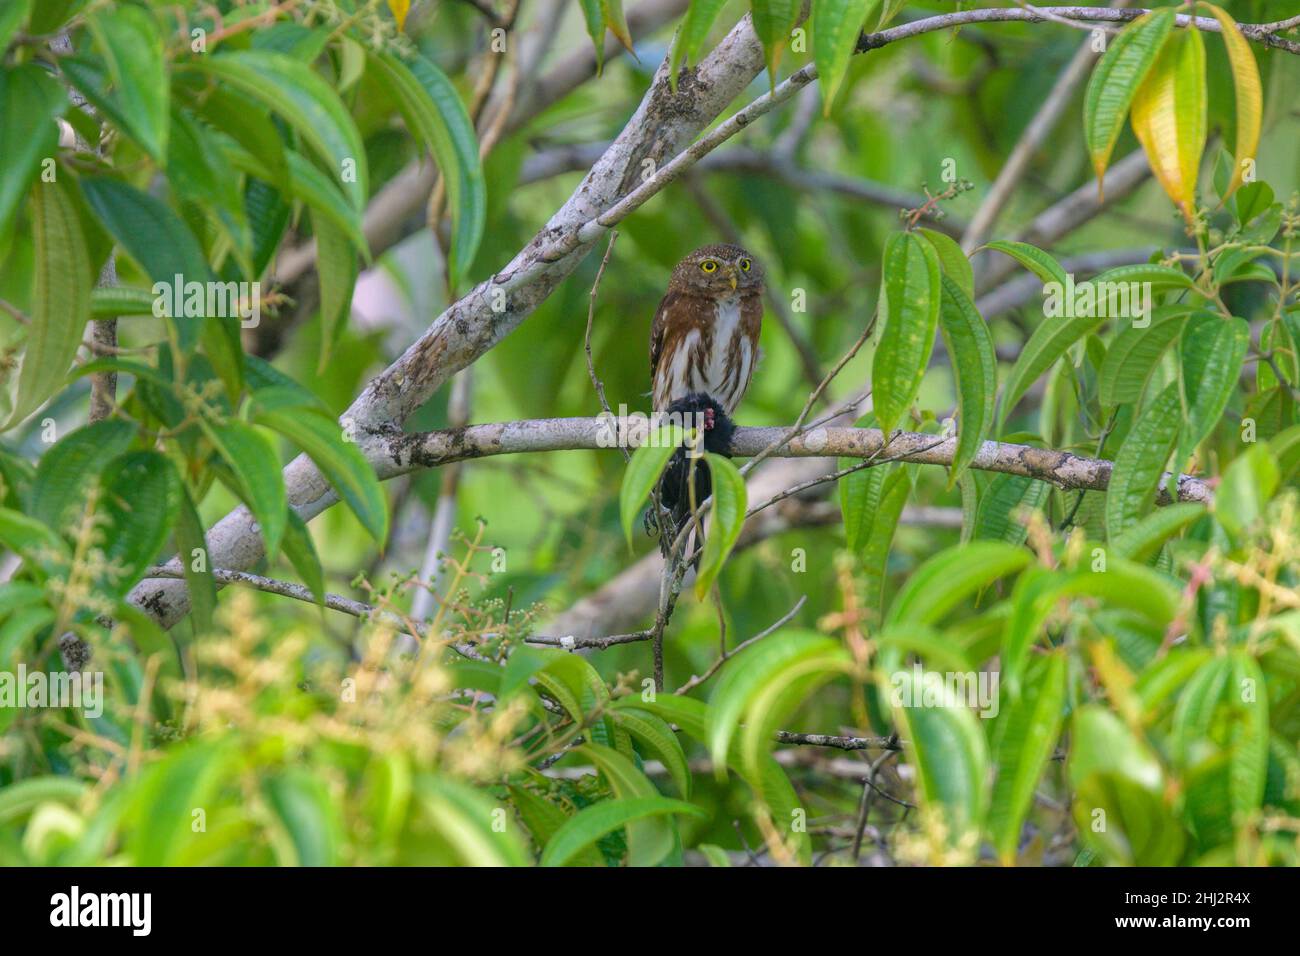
<point>1250,95</point>
<point>1116,79</point>
<point>1169,117</point>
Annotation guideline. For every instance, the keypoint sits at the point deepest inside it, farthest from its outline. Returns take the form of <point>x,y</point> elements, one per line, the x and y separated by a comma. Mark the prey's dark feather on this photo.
<point>675,483</point>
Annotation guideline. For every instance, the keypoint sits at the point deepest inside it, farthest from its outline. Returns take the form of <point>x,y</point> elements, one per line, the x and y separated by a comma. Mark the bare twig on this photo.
<point>785,619</point>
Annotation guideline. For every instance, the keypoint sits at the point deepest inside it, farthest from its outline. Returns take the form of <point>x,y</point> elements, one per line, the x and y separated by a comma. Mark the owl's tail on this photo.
<point>683,470</point>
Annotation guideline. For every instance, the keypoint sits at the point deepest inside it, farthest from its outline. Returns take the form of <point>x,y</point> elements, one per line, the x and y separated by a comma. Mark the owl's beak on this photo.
<point>734,278</point>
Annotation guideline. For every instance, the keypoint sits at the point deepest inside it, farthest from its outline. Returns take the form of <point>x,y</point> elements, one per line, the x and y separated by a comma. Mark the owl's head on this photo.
<point>718,272</point>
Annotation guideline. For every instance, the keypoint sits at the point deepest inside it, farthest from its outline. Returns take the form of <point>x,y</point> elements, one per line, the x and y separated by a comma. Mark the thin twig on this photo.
<point>785,619</point>
<point>596,383</point>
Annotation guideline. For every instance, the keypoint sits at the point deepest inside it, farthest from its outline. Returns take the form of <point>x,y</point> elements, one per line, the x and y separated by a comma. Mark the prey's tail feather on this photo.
<point>675,485</point>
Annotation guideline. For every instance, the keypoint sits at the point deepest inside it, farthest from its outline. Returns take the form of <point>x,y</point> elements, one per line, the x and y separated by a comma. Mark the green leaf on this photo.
<point>1141,461</point>
<point>778,698</point>
<point>543,819</point>
<point>66,472</point>
<point>1141,540</point>
<point>12,16</point>
<point>341,462</point>
<point>1224,708</point>
<point>753,669</point>
<point>30,102</point>
<point>302,805</point>
<point>132,48</point>
<point>591,823</point>
<point>301,552</point>
<point>293,91</point>
<point>655,734</point>
<point>728,518</point>
<point>1135,353</point>
<point>595,20</point>
<point>1049,342</point>
<point>141,498</point>
<point>835,28</point>
<point>1003,502</point>
<point>464,817</point>
<point>894,493</point>
<point>773,20</point>
<point>30,538</point>
<point>61,301</point>
<point>1243,494</point>
<point>1029,732</point>
<point>1213,353</point>
<point>435,114</point>
<point>112,302</point>
<point>338,279</point>
<point>49,15</point>
<point>770,785</point>
<point>691,35</point>
<point>643,471</point>
<point>948,578</point>
<point>975,366</point>
<point>649,841</point>
<point>956,266</point>
<point>1115,80</point>
<point>313,187</point>
<point>1119,583</point>
<point>1032,258</point>
<point>860,495</point>
<point>1118,804</point>
<point>242,119</point>
<point>154,237</point>
<point>23,796</point>
<point>947,750</point>
<point>16,643</point>
<point>1148,273</point>
<point>253,461</point>
<point>198,580</point>
<point>909,310</point>
<point>163,801</point>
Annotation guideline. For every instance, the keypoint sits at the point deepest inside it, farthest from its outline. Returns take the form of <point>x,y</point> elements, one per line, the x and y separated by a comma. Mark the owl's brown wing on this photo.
<point>659,329</point>
<point>751,325</point>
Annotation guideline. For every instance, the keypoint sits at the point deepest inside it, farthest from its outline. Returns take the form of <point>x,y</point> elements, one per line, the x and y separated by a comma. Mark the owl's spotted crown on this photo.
<point>718,271</point>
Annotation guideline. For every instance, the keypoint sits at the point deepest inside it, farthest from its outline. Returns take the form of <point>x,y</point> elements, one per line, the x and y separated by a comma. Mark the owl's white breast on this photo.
<point>713,376</point>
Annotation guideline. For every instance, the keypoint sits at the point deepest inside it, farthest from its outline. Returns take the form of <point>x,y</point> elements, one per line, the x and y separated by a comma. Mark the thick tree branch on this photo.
<point>1061,468</point>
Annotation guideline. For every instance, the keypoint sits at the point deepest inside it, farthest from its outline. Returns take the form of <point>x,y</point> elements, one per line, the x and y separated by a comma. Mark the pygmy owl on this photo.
<point>705,335</point>
<point>703,347</point>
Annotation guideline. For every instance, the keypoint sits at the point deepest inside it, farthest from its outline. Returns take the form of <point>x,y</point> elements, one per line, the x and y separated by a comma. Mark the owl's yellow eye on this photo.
<point>744,265</point>
<point>708,265</point>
